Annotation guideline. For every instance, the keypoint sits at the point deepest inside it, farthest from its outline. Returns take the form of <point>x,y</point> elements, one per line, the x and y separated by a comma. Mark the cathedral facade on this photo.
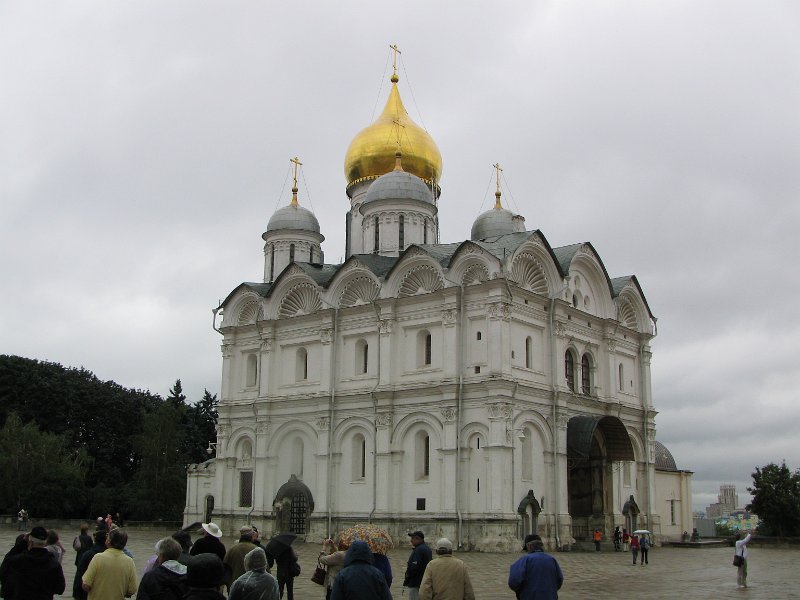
<point>479,390</point>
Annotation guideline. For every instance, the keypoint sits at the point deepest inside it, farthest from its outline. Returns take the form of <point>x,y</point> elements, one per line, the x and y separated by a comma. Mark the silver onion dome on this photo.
<point>293,216</point>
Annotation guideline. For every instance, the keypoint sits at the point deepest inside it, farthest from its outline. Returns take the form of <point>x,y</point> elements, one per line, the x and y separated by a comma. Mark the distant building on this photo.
<point>727,501</point>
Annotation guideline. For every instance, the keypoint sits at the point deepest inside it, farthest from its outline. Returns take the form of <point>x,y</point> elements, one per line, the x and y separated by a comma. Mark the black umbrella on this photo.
<point>279,544</point>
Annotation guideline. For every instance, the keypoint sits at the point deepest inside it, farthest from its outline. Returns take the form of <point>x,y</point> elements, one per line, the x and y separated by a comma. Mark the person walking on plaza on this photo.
<point>741,550</point>
<point>205,577</point>
<point>288,569</point>
<point>333,559</point>
<point>644,548</point>
<point>82,542</point>
<point>22,520</point>
<point>617,538</point>
<point>210,542</point>
<point>446,577</point>
<point>256,583</point>
<point>99,546</point>
<point>537,575</point>
<point>598,537</point>
<point>32,575</point>
<point>626,540</point>
<point>635,547</point>
<point>167,579</point>
<point>234,557</point>
<point>359,580</point>
<point>111,575</point>
<point>420,557</point>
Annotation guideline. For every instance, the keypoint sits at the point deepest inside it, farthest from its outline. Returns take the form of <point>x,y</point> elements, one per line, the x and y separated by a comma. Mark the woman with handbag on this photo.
<point>333,560</point>
<point>740,559</point>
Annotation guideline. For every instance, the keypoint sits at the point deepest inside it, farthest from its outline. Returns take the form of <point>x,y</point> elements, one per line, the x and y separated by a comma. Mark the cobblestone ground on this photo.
<point>672,572</point>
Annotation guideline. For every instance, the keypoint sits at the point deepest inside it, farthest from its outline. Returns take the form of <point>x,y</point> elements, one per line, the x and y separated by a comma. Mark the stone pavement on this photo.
<point>672,572</point>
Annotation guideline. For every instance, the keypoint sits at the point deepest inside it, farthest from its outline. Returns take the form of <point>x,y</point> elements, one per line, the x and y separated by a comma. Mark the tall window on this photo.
<point>362,357</point>
<point>528,353</point>
<point>402,233</point>
<point>424,349</point>
<point>423,455</point>
<point>252,370</point>
<point>311,255</point>
<point>672,511</point>
<point>291,253</point>
<point>359,457</point>
<point>245,488</point>
<point>586,375</point>
<point>377,241</point>
<point>621,378</point>
<point>428,356</point>
<point>271,262</point>
<point>301,370</point>
<point>569,370</point>
<point>425,231</point>
<point>527,455</point>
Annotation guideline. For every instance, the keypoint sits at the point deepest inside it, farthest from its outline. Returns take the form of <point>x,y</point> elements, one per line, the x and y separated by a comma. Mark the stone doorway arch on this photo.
<point>292,506</point>
<point>529,509</point>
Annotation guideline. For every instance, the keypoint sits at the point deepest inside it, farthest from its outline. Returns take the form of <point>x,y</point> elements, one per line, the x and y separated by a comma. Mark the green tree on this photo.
<point>176,396</point>
<point>776,499</point>
<point>201,427</point>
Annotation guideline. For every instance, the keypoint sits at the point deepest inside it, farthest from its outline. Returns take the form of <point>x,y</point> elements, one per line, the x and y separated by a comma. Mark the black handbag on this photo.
<point>319,574</point>
<point>738,560</point>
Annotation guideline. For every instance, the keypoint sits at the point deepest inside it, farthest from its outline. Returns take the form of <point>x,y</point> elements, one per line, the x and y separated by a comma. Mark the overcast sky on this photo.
<point>144,146</point>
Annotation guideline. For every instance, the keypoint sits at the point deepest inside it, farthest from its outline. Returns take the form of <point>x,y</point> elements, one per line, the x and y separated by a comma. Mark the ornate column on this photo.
<point>500,451</point>
<point>262,494</point>
<point>449,484</point>
<point>499,348</point>
<point>383,462</point>
<point>385,327</point>
<point>322,487</point>
<point>326,339</point>
<point>450,342</point>
<point>562,491</point>
<point>227,352</point>
<point>265,367</point>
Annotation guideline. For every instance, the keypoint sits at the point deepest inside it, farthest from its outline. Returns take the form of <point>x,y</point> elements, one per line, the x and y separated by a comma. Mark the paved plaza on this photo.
<point>672,572</point>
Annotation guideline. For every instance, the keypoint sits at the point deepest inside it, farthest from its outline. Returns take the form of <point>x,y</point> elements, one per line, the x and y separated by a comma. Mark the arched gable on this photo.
<point>589,283</point>
<point>285,431</point>
<point>363,425</point>
<point>353,284</point>
<point>433,426</point>
<point>243,308</point>
<point>471,264</point>
<point>415,273</point>
<point>631,307</point>
<point>470,429</point>
<point>537,422</point>
<point>532,266</point>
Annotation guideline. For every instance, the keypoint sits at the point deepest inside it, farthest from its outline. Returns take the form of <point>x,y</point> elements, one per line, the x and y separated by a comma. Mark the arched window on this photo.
<point>527,455</point>
<point>621,378</point>
<point>311,255</point>
<point>401,233</point>
<point>424,349</point>
<point>425,231</point>
<point>569,369</point>
<point>586,375</point>
<point>478,336</point>
<point>377,232</point>
<point>528,352</point>
<point>291,253</point>
<point>422,457</point>
<point>359,457</point>
<point>301,370</point>
<point>362,357</point>
<point>251,378</point>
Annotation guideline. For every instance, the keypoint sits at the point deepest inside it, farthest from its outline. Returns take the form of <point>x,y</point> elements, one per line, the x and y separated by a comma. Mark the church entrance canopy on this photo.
<point>581,431</point>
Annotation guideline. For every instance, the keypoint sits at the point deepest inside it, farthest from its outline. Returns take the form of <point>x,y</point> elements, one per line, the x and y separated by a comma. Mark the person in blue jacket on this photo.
<point>359,580</point>
<point>535,576</point>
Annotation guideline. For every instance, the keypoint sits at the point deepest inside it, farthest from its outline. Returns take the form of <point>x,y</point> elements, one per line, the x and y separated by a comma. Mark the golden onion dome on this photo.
<point>372,152</point>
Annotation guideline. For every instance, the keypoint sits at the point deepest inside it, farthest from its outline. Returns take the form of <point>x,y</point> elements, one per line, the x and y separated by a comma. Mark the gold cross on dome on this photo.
<point>296,162</point>
<point>396,51</point>
<point>498,169</point>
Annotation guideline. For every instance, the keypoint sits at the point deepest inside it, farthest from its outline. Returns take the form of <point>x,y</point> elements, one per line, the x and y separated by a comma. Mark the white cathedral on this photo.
<point>479,390</point>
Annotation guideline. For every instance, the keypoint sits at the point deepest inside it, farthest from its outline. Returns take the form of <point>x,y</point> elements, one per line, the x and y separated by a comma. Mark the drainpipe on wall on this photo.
<point>375,412</point>
<point>553,376</point>
<point>459,542</point>
<point>646,404</point>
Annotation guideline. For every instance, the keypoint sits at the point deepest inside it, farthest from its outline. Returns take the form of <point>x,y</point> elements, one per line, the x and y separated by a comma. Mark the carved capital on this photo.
<point>263,428</point>
<point>500,410</point>
<point>560,329</point>
<point>449,414</point>
<point>322,423</point>
<point>611,344</point>
<point>386,326</point>
<point>449,316</point>
<point>227,350</point>
<point>384,420</point>
<point>266,345</point>
<point>499,310</point>
<point>326,335</point>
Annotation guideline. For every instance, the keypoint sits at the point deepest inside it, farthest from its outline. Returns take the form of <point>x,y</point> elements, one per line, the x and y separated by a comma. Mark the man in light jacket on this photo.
<point>741,550</point>
<point>446,577</point>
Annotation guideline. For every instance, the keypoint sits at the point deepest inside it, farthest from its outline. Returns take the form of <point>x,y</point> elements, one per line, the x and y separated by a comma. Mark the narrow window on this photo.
<point>422,452</point>
<point>621,378</point>
<point>291,253</point>
<point>301,370</point>
<point>478,442</point>
<point>428,349</point>
<point>365,358</point>
<point>271,262</point>
<point>377,240</point>
<point>427,466</point>
<point>361,357</point>
<point>246,488</point>
<point>477,370</point>
<point>425,231</point>
<point>359,457</point>
<point>478,336</point>
<point>252,370</point>
<point>586,377</point>
<point>363,457</point>
<point>528,353</point>
<point>402,232</point>
<point>672,510</point>
<point>569,370</point>
<point>479,487</point>
<point>311,255</point>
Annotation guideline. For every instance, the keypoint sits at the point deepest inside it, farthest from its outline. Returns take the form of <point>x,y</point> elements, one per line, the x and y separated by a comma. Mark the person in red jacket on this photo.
<point>635,547</point>
<point>598,537</point>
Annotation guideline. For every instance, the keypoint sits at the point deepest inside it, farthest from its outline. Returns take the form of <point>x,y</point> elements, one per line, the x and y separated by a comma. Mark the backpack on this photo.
<point>76,543</point>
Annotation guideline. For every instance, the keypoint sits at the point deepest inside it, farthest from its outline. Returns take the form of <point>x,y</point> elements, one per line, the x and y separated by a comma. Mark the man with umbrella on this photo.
<point>279,550</point>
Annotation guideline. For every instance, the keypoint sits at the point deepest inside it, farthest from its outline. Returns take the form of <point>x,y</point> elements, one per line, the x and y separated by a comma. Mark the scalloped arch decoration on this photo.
<point>249,313</point>
<point>476,273</point>
<point>361,290</point>
<point>420,280</point>
<point>626,315</point>
<point>528,272</point>
<point>302,299</point>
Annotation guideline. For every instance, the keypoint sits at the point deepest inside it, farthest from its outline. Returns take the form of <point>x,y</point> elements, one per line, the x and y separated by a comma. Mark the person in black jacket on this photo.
<point>84,542</point>
<point>35,574</point>
<point>210,542</point>
<point>359,580</point>
<point>99,546</point>
<point>420,557</point>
